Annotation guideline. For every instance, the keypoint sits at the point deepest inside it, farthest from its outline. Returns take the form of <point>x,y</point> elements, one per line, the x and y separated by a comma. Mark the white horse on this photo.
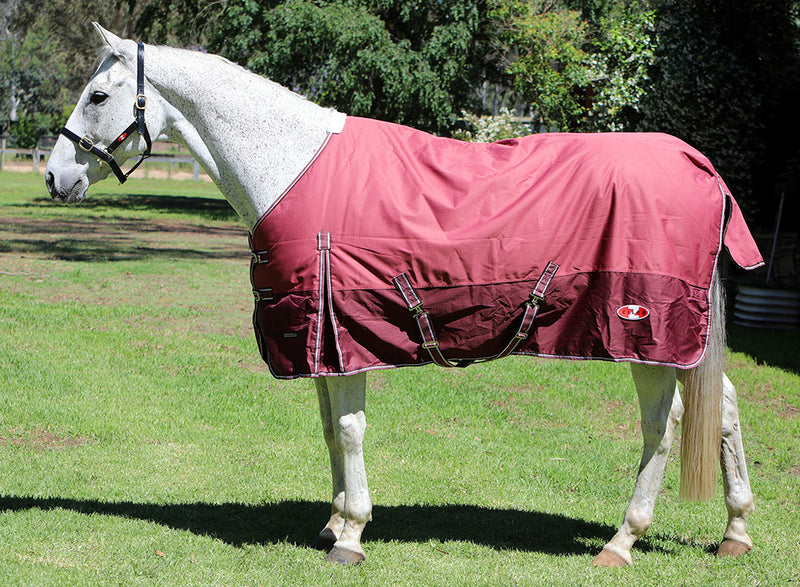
<point>254,138</point>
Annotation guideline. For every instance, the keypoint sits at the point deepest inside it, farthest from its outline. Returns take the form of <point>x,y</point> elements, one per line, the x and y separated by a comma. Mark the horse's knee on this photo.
<point>350,431</point>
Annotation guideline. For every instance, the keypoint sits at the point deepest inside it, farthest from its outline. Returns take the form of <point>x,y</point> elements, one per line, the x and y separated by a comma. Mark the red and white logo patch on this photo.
<point>633,312</point>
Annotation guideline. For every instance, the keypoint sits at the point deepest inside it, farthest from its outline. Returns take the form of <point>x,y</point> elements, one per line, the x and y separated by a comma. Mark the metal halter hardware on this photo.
<point>105,154</point>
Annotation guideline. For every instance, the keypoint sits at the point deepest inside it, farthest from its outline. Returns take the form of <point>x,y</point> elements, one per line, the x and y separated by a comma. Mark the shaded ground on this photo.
<point>119,239</point>
<point>132,248</point>
<point>115,238</point>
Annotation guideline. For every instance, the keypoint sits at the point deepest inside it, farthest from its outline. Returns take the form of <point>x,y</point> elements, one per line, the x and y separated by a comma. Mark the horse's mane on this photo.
<point>105,53</point>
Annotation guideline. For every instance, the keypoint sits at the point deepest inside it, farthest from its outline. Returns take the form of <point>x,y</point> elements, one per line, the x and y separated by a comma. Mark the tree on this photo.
<point>182,23</point>
<point>46,57</point>
<point>725,79</point>
<point>30,84</point>
<point>620,61</point>
<point>412,62</point>
<point>582,65</point>
<point>542,46</point>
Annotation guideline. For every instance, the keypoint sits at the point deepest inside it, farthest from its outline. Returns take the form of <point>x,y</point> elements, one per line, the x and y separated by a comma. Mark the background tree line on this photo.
<point>720,74</point>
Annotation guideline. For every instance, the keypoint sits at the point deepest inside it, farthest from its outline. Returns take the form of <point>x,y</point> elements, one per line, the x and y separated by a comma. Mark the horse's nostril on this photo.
<point>50,181</point>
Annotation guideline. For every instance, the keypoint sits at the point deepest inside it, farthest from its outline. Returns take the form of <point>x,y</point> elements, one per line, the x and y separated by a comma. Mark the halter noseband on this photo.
<point>105,155</point>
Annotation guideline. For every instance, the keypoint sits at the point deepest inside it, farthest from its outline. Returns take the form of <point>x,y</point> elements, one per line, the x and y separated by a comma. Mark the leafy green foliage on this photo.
<point>30,85</point>
<point>47,54</point>
<point>620,65</point>
<point>584,70</point>
<point>544,56</point>
<point>397,61</point>
<point>491,127</point>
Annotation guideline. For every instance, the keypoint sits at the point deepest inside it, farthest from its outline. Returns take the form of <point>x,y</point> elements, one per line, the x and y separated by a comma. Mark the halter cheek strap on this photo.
<point>105,154</point>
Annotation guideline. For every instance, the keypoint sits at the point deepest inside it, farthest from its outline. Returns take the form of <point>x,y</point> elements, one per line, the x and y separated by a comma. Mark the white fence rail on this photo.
<point>160,163</point>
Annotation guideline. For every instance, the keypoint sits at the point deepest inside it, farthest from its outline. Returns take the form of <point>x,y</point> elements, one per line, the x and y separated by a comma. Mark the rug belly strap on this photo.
<point>428,334</point>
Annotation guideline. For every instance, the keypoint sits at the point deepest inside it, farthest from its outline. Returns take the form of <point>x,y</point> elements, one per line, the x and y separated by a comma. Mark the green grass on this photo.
<point>144,443</point>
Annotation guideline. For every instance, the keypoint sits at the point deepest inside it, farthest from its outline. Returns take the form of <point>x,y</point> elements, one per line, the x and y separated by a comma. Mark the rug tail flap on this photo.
<point>739,241</point>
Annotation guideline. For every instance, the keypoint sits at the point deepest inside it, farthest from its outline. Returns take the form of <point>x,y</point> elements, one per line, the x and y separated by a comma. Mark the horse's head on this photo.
<point>106,127</point>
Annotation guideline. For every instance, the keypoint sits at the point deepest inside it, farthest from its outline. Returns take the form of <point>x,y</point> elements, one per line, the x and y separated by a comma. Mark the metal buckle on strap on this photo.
<point>535,300</point>
<point>86,144</point>
<point>264,294</point>
<point>260,257</point>
<point>141,101</point>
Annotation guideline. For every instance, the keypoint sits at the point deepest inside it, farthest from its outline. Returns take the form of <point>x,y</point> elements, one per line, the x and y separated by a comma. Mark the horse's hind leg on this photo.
<point>738,496</point>
<point>661,410</point>
<point>342,401</point>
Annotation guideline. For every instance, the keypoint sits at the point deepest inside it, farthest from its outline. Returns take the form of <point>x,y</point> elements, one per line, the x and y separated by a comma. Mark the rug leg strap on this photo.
<point>428,334</point>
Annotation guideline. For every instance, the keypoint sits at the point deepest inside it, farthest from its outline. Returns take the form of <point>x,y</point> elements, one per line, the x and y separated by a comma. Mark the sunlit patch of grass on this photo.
<point>143,442</point>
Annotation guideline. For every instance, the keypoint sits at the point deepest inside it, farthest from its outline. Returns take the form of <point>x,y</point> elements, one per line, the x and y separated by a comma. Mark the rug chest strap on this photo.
<point>426,330</point>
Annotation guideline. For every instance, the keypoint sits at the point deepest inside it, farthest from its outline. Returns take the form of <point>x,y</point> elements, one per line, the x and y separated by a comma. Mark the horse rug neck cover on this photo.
<point>631,225</point>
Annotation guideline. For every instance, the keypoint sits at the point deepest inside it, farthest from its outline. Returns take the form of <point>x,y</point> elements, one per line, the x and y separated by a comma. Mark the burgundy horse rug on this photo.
<point>398,248</point>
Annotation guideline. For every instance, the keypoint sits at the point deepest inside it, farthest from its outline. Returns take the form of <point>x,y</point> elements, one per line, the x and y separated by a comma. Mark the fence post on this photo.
<point>2,151</point>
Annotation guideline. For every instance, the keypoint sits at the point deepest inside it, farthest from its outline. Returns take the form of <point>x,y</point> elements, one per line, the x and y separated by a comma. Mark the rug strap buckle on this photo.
<point>260,257</point>
<point>263,294</point>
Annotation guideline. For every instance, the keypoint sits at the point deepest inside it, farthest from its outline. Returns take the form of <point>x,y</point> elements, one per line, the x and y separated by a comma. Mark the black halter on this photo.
<point>105,155</point>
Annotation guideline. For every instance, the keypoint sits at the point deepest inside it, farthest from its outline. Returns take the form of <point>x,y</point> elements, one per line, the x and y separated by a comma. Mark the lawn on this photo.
<point>144,443</point>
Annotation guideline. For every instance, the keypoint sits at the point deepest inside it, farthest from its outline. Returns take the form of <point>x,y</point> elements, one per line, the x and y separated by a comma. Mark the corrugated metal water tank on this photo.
<point>760,307</point>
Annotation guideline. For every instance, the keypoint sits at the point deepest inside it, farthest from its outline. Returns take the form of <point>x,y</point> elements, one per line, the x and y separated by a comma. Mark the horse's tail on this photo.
<point>702,419</point>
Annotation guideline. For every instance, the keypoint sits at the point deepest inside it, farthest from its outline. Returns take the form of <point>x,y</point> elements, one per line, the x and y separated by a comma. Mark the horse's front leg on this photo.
<point>738,496</point>
<point>342,402</point>
<point>333,529</point>
<point>661,410</point>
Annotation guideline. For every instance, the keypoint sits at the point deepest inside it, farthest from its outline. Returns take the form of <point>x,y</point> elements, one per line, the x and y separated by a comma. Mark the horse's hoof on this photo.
<point>730,547</point>
<point>609,559</point>
<point>323,543</point>
<point>340,556</point>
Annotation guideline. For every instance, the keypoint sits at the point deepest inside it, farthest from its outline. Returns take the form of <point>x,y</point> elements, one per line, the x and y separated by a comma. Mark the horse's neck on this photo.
<point>252,136</point>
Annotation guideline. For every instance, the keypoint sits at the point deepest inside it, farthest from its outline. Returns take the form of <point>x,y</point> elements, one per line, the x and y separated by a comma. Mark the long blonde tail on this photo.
<point>702,420</point>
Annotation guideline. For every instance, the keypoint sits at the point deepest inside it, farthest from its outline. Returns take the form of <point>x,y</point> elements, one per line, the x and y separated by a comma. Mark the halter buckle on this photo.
<point>141,101</point>
<point>86,144</point>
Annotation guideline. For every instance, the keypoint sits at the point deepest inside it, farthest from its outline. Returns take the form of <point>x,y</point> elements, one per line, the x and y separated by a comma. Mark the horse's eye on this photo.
<point>98,97</point>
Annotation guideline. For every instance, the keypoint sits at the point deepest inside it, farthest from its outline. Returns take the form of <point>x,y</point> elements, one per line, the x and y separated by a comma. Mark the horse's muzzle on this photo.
<point>66,195</point>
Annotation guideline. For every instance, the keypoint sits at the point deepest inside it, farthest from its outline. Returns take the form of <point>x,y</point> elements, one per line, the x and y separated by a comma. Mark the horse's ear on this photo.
<point>108,37</point>
<point>118,46</point>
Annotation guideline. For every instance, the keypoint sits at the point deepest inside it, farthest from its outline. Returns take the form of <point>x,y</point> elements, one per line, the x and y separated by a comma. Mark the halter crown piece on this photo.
<point>105,154</point>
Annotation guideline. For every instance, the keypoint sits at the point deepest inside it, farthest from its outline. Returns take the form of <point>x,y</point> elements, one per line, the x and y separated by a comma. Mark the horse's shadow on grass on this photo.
<point>203,208</point>
<point>296,522</point>
<point>117,238</point>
